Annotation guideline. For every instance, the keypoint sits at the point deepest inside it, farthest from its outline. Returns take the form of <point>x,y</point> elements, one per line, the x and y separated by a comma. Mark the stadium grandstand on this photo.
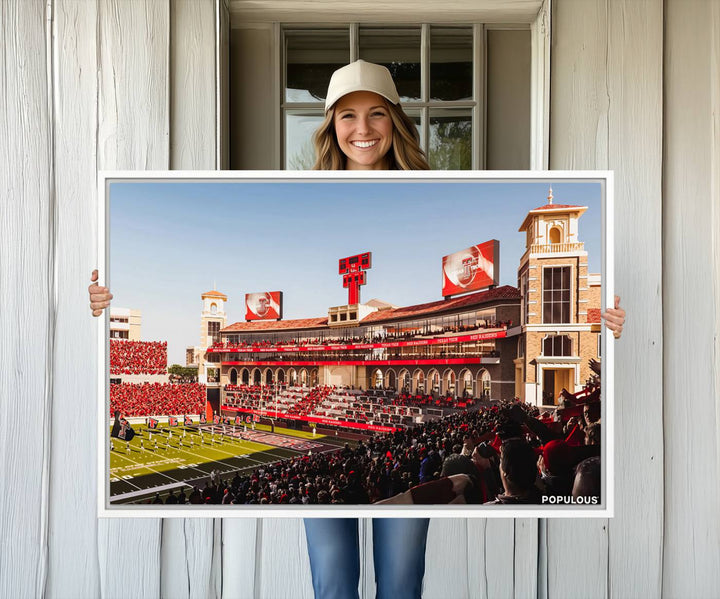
<point>139,382</point>
<point>393,367</point>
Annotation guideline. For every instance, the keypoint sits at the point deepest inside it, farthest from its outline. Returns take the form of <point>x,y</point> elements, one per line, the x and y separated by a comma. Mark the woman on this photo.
<point>364,129</point>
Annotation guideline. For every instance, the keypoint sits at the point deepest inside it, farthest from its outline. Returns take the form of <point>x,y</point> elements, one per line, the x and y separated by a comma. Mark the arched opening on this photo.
<point>233,376</point>
<point>292,377</point>
<point>466,384</point>
<point>257,377</point>
<point>268,377</point>
<point>376,380</point>
<point>555,235</point>
<point>280,375</point>
<point>449,383</point>
<point>404,378</point>
<point>419,381</point>
<point>434,382</point>
<point>483,384</point>
<point>304,377</point>
<point>245,376</point>
<point>314,377</point>
<point>390,382</point>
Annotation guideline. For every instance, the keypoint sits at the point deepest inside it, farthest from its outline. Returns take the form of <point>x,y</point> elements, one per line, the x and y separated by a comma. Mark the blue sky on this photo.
<point>172,241</point>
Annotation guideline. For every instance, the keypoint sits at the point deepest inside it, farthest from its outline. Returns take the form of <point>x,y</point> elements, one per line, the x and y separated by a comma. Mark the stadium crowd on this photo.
<point>138,357</point>
<point>414,353</point>
<point>510,453</point>
<point>346,340</point>
<point>153,399</point>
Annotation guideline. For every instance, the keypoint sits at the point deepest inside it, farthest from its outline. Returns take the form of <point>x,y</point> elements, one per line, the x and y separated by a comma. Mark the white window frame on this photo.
<point>536,17</point>
<point>477,106</point>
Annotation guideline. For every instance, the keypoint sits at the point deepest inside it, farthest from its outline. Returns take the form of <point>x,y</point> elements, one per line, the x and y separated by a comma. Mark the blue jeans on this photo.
<point>398,553</point>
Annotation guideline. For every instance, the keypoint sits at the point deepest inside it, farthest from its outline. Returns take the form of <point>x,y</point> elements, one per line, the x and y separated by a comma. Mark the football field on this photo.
<point>181,457</point>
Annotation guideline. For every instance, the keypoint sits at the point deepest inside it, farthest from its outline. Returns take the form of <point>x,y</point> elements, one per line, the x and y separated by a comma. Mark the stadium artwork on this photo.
<point>361,386</point>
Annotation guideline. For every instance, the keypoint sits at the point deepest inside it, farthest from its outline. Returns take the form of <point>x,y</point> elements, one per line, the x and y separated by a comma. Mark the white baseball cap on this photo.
<point>361,76</point>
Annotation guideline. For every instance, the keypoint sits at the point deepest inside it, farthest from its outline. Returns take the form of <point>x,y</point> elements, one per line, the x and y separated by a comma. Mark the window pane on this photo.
<point>547,312</point>
<point>311,58</point>
<point>414,115</point>
<point>565,312</point>
<point>450,144</point>
<point>399,50</point>
<point>451,54</point>
<point>299,150</point>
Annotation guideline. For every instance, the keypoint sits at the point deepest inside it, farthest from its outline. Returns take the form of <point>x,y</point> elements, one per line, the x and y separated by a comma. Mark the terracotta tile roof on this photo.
<point>214,293</point>
<point>556,207</point>
<point>593,315</point>
<point>274,325</point>
<point>506,292</point>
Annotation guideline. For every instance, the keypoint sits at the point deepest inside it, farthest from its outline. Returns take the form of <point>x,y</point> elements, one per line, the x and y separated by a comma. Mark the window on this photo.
<point>214,331</point>
<point>118,334</point>
<point>557,345</point>
<point>556,294</point>
<point>439,71</point>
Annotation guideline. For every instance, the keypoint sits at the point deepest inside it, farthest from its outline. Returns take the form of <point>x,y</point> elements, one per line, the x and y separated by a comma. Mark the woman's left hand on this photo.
<point>615,318</point>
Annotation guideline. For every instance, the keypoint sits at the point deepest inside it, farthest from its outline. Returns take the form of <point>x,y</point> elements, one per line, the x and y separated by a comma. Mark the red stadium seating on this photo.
<point>138,357</point>
<point>155,399</point>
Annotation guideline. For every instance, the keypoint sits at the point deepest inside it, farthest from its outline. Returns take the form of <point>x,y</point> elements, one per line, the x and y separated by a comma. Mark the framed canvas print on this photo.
<point>338,344</point>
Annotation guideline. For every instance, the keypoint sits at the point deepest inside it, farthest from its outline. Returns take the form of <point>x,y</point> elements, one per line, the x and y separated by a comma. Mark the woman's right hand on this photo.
<point>99,296</point>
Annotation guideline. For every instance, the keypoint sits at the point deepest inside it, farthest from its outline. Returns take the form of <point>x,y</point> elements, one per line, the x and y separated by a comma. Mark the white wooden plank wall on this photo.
<point>190,566</point>
<point>133,85</point>
<point>606,112</point>
<point>635,86</point>
<point>282,566</point>
<point>574,552</point>
<point>27,203</point>
<point>132,134</point>
<point>73,569</point>
<point>691,304</point>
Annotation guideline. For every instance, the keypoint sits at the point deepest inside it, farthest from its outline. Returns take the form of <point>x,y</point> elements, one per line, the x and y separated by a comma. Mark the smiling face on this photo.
<point>364,130</point>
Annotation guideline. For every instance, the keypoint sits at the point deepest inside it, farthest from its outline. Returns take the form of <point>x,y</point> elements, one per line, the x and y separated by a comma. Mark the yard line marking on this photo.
<point>153,470</point>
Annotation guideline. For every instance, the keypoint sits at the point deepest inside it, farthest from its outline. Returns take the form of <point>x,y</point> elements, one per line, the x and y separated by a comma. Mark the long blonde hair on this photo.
<point>405,153</point>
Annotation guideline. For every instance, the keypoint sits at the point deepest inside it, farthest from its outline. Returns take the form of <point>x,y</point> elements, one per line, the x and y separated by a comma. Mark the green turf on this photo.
<point>137,460</point>
<point>288,431</point>
<point>138,469</point>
